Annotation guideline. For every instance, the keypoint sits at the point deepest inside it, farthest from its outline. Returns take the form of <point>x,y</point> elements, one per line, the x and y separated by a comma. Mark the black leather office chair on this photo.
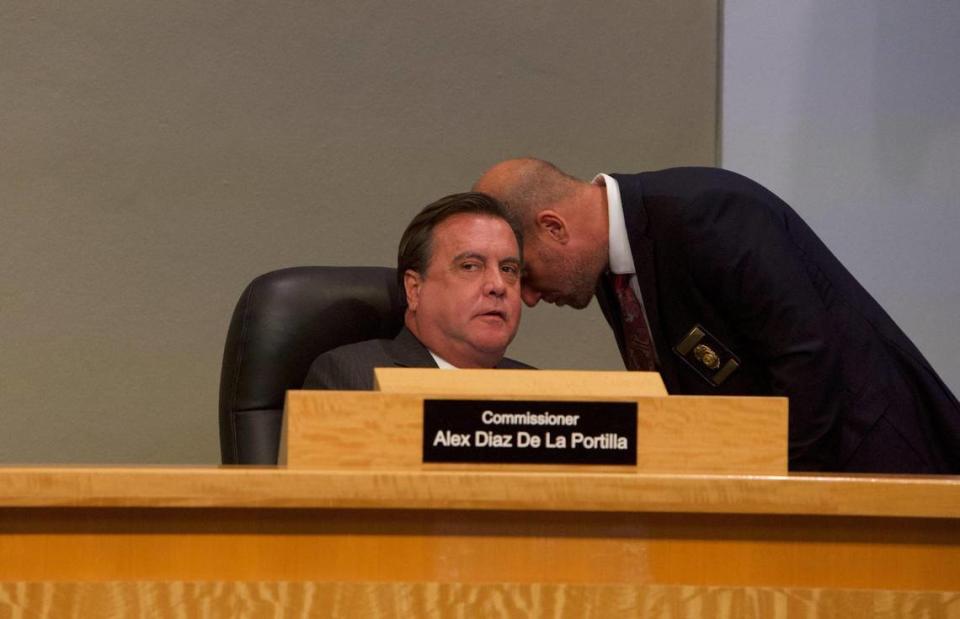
<point>283,320</point>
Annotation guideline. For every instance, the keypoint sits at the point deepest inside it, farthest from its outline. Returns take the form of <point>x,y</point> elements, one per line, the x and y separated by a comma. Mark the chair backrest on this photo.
<point>283,321</point>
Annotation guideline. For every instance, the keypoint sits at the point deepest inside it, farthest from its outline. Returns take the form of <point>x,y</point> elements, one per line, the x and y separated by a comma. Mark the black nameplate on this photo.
<point>530,432</point>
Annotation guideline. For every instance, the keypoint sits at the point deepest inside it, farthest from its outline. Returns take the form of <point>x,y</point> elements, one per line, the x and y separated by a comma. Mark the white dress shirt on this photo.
<point>621,257</point>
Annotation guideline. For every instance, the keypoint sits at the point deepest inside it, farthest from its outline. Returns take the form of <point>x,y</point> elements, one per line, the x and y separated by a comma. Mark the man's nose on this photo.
<point>495,283</point>
<point>530,296</point>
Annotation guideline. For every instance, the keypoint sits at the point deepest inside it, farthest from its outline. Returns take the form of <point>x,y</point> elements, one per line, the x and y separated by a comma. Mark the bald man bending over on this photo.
<point>716,283</point>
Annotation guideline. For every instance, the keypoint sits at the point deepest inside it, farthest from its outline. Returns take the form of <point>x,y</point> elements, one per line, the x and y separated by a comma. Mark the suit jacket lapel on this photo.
<point>407,351</point>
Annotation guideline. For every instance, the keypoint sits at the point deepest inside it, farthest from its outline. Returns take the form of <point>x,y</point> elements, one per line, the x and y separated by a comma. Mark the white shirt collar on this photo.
<point>621,258</point>
<point>442,363</point>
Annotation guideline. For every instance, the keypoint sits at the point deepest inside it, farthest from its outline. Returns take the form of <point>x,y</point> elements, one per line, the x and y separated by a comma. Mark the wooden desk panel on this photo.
<point>451,546</point>
<point>447,542</point>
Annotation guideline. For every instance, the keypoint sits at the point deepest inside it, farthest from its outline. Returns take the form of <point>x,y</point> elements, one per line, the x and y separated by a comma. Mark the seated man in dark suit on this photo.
<point>459,268</point>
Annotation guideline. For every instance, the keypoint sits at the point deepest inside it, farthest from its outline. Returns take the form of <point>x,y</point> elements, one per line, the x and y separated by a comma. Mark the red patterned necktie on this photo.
<point>636,336</point>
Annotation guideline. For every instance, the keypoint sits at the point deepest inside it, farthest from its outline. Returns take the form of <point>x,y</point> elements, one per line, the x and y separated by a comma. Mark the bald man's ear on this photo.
<point>411,288</point>
<point>553,225</point>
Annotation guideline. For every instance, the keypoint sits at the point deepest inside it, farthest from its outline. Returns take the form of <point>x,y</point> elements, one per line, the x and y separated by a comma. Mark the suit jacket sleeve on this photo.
<point>744,259</point>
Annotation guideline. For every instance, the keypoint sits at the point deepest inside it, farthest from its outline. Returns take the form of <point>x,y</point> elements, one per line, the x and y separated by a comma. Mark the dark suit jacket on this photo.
<point>350,367</point>
<point>716,249</point>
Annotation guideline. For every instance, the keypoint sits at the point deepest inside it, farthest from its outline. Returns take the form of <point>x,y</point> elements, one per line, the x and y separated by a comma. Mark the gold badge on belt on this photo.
<point>706,355</point>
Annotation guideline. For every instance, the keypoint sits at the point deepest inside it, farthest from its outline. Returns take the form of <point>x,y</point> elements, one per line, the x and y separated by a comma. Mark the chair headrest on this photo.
<point>285,319</point>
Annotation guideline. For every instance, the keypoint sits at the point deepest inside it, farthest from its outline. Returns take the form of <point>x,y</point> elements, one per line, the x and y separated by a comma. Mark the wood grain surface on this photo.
<point>403,600</point>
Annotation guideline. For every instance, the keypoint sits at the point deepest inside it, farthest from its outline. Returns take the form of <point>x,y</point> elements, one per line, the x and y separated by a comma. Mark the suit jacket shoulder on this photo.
<point>351,367</point>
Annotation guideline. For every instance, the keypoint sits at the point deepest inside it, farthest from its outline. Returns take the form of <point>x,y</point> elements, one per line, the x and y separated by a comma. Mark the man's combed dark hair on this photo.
<point>416,243</point>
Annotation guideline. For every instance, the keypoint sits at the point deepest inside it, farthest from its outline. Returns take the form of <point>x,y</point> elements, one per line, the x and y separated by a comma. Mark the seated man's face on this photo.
<point>467,307</point>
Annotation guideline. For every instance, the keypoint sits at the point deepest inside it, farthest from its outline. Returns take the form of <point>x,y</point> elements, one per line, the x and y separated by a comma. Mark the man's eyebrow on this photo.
<point>469,254</point>
<point>479,256</point>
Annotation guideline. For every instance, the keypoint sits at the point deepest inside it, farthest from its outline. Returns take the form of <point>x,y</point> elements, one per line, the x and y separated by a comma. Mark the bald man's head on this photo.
<point>565,227</point>
<point>527,185</point>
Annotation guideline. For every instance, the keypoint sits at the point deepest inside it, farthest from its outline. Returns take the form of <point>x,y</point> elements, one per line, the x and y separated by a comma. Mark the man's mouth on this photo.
<point>494,314</point>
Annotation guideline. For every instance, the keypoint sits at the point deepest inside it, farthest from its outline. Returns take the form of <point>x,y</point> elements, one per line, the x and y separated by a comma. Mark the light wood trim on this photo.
<point>430,600</point>
<point>356,429</point>
<point>514,488</point>
<point>520,384</point>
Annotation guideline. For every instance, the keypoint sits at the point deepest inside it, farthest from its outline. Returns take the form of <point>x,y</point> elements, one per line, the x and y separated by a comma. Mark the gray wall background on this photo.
<point>155,157</point>
<point>851,112</point>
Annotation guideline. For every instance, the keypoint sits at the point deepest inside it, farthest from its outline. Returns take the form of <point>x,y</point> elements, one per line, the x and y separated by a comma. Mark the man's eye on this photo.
<point>470,266</point>
<point>511,269</point>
